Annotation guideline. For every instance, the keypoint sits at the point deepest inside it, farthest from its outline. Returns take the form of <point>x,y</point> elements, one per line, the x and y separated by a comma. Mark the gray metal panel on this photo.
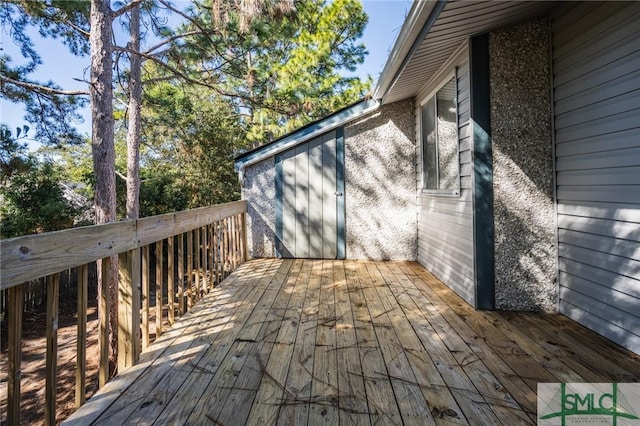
<point>315,197</point>
<point>445,224</point>
<point>309,207</point>
<point>329,205</point>
<point>302,222</point>
<point>596,53</point>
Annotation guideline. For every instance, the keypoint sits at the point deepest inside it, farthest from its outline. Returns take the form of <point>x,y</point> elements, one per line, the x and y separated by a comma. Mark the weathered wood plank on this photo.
<point>413,407</point>
<point>159,278</point>
<point>33,256</point>
<point>181,310</point>
<point>352,400</point>
<point>128,309</point>
<point>171,273</point>
<point>103,319</point>
<point>399,348</point>
<point>498,384</point>
<point>299,377</point>
<point>53,301</point>
<point>439,340</point>
<point>81,335</point>
<point>441,402</point>
<point>324,386</point>
<point>145,297</point>
<point>258,391</point>
<point>252,342</point>
<point>182,345</point>
<point>189,283</point>
<point>14,353</point>
<point>383,408</point>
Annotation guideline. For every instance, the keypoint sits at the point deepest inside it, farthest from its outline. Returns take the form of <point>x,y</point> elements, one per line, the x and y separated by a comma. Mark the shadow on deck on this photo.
<point>351,342</point>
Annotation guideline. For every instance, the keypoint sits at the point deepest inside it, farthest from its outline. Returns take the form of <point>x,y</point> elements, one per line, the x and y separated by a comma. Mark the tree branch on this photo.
<point>126,8</point>
<point>43,89</point>
<point>169,40</point>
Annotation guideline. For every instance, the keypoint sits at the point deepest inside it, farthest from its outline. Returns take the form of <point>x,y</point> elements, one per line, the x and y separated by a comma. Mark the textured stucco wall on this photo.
<point>525,250</point>
<point>380,185</point>
<point>259,190</point>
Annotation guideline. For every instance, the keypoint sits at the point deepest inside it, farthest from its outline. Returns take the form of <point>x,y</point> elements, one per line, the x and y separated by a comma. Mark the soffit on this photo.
<point>458,21</point>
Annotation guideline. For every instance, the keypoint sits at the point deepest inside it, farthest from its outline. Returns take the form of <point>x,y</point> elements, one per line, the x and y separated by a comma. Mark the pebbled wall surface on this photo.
<point>259,189</point>
<point>380,184</point>
<point>524,213</point>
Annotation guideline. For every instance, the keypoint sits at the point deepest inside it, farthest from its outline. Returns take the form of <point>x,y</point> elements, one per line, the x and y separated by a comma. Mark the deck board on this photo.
<point>295,342</point>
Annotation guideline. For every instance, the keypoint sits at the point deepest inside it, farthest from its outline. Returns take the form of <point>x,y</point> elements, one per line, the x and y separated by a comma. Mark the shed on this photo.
<point>341,187</point>
<point>524,191</point>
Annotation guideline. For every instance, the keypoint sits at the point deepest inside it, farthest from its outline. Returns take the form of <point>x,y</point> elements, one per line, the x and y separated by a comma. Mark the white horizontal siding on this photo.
<point>596,59</point>
<point>445,224</point>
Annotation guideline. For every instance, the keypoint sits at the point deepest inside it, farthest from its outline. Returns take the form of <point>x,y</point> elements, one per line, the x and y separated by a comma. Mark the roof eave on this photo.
<point>306,133</point>
<point>410,34</point>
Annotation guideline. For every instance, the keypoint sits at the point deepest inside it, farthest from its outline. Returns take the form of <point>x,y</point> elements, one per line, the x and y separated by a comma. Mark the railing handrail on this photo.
<point>31,257</point>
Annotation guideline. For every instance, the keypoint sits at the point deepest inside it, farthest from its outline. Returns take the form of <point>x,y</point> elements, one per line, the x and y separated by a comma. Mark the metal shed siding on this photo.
<point>445,224</point>
<point>596,60</point>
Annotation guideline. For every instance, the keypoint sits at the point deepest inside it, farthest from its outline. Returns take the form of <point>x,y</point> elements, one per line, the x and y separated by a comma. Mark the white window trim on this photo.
<point>454,193</point>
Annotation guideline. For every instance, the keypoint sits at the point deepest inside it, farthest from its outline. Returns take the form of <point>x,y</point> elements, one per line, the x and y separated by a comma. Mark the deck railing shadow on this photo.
<point>173,258</point>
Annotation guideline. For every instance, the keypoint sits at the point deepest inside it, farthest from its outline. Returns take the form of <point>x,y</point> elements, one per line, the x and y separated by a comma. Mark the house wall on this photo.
<point>596,60</point>
<point>379,184</point>
<point>260,190</point>
<point>523,207</point>
<point>445,223</point>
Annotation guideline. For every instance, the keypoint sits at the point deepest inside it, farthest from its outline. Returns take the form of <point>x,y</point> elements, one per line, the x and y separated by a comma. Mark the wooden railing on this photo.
<point>186,252</point>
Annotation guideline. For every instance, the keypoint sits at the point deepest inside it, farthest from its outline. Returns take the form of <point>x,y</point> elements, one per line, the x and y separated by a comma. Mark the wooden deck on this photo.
<point>347,342</point>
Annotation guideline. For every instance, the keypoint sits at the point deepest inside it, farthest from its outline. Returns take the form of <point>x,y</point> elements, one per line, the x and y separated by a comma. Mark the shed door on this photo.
<point>597,121</point>
<point>310,200</point>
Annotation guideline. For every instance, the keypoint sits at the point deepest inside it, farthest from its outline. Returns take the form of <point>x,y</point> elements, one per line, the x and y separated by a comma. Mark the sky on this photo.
<point>68,71</point>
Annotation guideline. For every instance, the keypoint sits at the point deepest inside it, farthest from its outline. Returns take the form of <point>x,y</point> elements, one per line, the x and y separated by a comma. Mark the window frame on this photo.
<point>432,96</point>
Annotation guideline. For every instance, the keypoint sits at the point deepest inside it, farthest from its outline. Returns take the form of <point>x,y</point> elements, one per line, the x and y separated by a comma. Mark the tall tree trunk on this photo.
<point>133,131</point>
<point>102,138</point>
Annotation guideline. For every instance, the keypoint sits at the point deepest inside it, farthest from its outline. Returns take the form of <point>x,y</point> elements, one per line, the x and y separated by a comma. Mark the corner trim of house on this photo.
<point>483,226</point>
<point>278,205</point>
<point>340,197</point>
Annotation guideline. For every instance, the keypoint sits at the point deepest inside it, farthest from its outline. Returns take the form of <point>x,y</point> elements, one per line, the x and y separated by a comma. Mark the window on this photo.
<point>440,160</point>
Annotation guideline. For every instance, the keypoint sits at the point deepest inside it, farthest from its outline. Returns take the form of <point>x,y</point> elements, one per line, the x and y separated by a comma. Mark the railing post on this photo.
<point>225,247</point>
<point>171,292</point>
<point>181,274</point>
<point>128,308</point>
<point>158,288</point>
<point>53,296</point>
<point>15,307</point>
<point>244,240</point>
<point>103,314</point>
<point>190,299</point>
<point>198,249</point>
<point>145,297</point>
<point>215,252</point>
<point>234,243</point>
<point>81,344</point>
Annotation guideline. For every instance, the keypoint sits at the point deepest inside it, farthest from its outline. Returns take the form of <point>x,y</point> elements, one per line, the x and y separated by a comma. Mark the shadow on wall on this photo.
<point>381,184</point>
<point>524,218</point>
<point>601,272</point>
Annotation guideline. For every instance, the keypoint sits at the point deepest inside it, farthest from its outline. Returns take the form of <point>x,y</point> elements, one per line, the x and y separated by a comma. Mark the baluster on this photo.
<point>14,356</point>
<point>81,343</point>
<point>53,297</point>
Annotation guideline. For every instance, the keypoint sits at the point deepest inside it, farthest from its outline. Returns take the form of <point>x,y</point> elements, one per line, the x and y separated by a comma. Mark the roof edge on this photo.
<point>412,32</point>
<point>305,133</point>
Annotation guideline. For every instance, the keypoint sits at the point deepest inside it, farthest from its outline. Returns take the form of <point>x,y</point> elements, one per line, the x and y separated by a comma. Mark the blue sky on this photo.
<point>385,20</point>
